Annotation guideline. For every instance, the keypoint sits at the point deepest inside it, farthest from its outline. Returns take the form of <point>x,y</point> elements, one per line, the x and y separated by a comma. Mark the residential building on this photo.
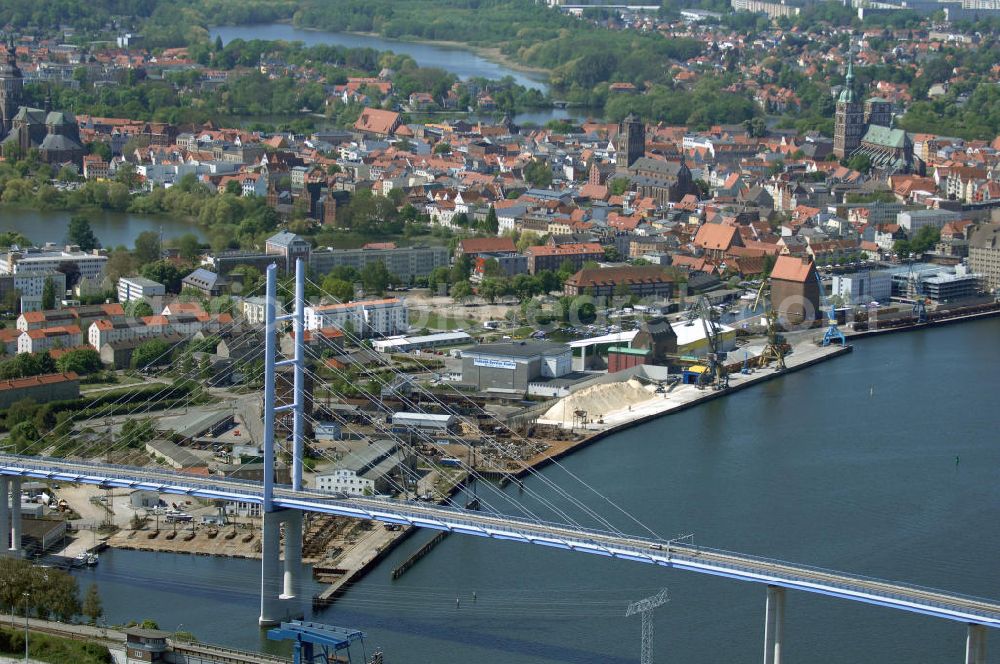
<point>40,389</point>
<point>551,257</point>
<point>49,338</point>
<point>406,263</point>
<point>984,254</point>
<point>52,258</point>
<point>366,318</point>
<point>913,220</point>
<point>253,310</point>
<point>207,283</point>
<point>377,122</point>
<point>30,287</point>
<point>131,289</point>
<point>640,281</point>
<point>81,316</point>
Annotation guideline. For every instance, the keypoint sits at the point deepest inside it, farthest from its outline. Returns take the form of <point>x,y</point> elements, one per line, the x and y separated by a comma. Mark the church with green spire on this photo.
<point>867,129</point>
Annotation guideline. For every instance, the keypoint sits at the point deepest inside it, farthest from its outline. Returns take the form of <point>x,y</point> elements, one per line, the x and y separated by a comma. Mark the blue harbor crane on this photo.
<point>833,332</point>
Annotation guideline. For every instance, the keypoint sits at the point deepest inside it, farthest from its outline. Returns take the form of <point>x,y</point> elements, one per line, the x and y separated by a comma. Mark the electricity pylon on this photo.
<point>645,608</point>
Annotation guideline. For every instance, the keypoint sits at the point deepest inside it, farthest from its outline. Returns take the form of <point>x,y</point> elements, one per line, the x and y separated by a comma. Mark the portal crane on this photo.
<point>833,332</point>
<point>716,356</point>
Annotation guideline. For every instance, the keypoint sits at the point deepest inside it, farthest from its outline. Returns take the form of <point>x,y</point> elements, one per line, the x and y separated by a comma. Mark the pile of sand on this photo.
<point>600,400</point>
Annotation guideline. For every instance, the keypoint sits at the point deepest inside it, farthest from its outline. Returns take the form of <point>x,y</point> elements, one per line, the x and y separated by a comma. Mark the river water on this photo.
<point>882,462</point>
<point>111,228</point>
<point>462,62</point>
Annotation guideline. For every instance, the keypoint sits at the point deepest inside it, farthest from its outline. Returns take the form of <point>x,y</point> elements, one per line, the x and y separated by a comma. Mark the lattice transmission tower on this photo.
<point>645,607</point>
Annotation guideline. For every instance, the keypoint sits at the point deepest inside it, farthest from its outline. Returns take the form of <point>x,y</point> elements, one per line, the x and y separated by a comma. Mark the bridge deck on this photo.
<point>906,597</point>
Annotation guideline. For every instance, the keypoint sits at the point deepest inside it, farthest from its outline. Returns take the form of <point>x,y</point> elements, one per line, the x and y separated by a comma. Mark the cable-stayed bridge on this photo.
<point>283,505</point>
<point>783,575</point>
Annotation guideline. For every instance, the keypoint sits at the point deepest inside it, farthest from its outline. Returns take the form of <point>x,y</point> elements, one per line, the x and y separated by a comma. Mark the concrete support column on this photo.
<point>975,645</point>
<point>774,624</point>
<point>293,553</point>
<point>270,585</point>
<point>4,514</point>
<point>15,515</point>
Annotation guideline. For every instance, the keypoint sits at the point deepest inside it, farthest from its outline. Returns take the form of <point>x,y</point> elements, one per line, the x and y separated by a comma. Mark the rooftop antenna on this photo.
<point>645,607</point>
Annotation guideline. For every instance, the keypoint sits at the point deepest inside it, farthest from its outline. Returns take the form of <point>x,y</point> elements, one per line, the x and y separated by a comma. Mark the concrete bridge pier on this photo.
<point>975,645</point>
<point>293,554</point>
<point>279,596</point>
<point>4,513</point>
<point>774,623</point>
<point>10,516</point>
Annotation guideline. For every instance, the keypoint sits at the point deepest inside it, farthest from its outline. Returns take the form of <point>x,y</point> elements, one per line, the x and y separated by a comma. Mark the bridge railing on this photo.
<point>654,551</point>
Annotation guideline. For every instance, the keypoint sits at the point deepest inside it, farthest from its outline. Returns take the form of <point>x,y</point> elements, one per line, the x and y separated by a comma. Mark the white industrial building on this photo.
<point>345,481</point>
<point>367,318</point>
<point>511,367</point>
<point>404,344</point>
<point>863,287</point>
<point>424,421</point>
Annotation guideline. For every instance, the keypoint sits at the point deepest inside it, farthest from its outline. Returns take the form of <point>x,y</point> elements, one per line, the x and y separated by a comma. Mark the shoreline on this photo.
<point>807,356</point>
<point>491,53</point>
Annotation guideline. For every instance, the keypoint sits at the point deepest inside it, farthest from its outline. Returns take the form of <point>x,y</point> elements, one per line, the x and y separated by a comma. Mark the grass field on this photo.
<point>46,648</point>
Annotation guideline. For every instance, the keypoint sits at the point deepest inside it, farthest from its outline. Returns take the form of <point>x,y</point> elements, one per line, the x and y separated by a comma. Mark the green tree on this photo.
<point>189,246</point>
<point>538,173</point>
<point>618,186</point>
<point>139,309</point>
<point>92,607</point>
<point>164,272</point>
<point>861,163</point>
<point>80,360</point>
<point>375,278</point>
<point>461,291</point>
<point>342,290</point>
<point>80,233</point>
<point>151,353</point>
<point>49,294</point>
<point>925,239</point>
<point>23,437</point>
<point>147,247</point>
<point>491,224</point>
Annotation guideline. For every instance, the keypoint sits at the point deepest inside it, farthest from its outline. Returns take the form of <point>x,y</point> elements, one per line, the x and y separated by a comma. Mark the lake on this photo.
<point>111,228</point>
<point>849,465</point>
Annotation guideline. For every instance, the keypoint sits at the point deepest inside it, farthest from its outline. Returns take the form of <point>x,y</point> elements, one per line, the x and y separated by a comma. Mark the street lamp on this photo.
<point>26,595</point>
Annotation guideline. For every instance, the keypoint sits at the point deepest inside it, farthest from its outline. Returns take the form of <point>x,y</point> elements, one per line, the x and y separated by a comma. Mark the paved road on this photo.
<point>938,603</point>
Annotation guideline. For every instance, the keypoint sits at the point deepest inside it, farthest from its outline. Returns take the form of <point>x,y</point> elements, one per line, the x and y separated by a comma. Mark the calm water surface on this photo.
<point>462,62</point>
<point>111,228</point>
<point>849,465</point>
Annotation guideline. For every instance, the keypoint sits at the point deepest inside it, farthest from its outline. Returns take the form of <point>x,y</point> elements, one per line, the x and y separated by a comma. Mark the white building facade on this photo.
<point>368,318</point>
<point>345,481</point>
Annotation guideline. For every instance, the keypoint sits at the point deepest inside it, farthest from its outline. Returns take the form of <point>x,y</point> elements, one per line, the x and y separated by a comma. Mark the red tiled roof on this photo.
<point>792,268</point>
<point>484,245</point>
<point>33,381</point>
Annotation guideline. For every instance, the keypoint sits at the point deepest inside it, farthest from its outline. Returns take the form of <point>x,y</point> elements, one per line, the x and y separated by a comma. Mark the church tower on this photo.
<point>849,125</point>
<point>630,144</point>
<point>11,88</point>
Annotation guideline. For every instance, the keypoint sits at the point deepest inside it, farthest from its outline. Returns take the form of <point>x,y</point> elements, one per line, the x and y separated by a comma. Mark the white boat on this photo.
<point>92,559</point>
